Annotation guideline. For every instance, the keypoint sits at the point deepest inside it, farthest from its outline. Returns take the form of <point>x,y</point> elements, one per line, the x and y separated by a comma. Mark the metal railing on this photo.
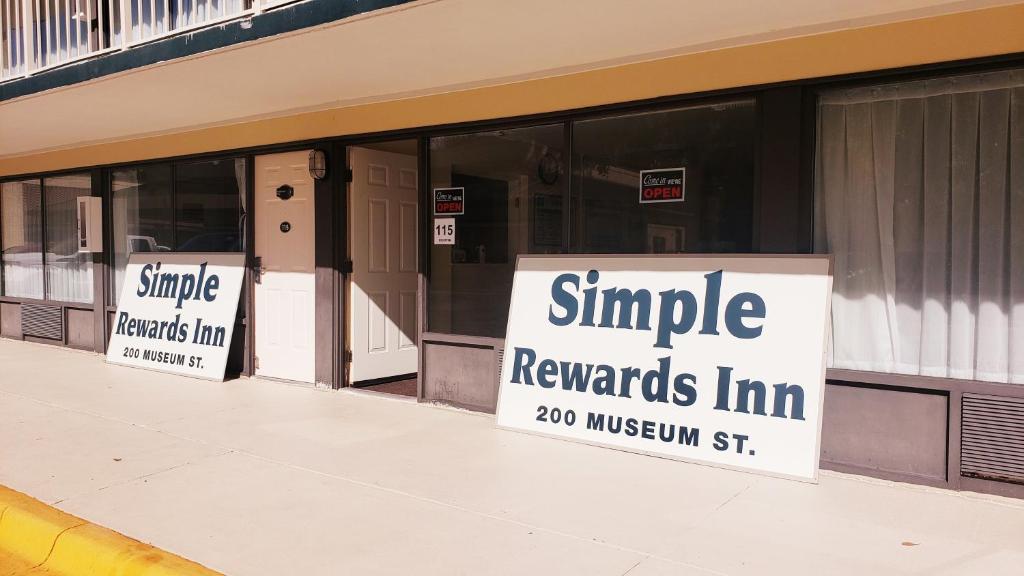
<point>13,42</point>
<point>36,35</point>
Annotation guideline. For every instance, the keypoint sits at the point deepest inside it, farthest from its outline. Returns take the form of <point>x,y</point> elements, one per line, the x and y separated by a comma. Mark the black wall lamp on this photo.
<point>318,164</point>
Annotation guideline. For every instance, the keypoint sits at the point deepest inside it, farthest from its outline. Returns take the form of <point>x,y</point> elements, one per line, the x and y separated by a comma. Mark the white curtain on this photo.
<point>68,271</point>
<point>23,279</point>
<point>25,243</point>
<point>240,173</point>
<point>149,19</point>
<point>21,232</point>
<point>920,197</point>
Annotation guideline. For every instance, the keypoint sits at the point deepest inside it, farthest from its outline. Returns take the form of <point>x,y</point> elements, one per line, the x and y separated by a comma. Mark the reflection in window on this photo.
<point>715,146</point>
<point>22,241</point>
<point>68,271</point>
<point>187,207</point>
<point>208,205</point>
<point>514,191</point>
<point>141,216</point>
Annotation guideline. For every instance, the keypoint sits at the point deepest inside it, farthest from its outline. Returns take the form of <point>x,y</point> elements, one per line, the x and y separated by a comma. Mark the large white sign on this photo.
<point>718,360</point>
<point>177,312</point>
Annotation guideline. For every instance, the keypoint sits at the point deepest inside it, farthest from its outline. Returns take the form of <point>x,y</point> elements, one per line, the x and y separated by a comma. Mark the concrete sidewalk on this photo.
<point>251,477</point>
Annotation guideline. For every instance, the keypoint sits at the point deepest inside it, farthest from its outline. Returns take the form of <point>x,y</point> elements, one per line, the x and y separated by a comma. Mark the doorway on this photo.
<point>284,268</point>
<point>384,239</point>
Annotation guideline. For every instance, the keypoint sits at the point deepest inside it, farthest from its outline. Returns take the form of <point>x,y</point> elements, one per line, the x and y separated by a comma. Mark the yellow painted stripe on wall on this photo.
<point>976,34</point>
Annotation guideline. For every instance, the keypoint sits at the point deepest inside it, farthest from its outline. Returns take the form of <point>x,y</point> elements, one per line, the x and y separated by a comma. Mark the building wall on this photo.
<point>926,40</point>
<point>924,414</point>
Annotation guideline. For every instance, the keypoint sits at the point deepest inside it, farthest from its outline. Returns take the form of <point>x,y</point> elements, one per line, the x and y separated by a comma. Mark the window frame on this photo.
<point>172,164</point>
<point>41,179</point>
<point>753,98</point>
<point>42,231</point>
<point>426,200</point>
<point>815,89</point>
<point>568,120</point>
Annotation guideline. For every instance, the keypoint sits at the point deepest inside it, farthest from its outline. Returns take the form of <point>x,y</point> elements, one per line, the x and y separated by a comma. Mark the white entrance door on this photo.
<point>384,256</point>
<point>284,296</point>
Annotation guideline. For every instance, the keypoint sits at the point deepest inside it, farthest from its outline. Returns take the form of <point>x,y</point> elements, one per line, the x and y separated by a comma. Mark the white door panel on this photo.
<point>407,319</point>
<point>408,253</point>
<point>285,294</point>
<point>384,239</point>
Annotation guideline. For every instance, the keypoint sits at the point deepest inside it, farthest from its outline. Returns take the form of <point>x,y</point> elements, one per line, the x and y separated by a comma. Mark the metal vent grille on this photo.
<point>992,438</point>
<point>42,321</point>
<point>499,360</point>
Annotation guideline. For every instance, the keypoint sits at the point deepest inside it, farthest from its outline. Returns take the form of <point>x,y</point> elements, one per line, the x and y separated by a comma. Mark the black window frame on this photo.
<point>41,179</point>
<point>172,164</point>
<point>568,119</point>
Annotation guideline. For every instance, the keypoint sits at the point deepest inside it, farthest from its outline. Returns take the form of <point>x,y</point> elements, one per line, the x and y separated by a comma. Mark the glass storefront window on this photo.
<point>713,144</point>
<point>515,185</point>
<point>22,239</point>
<point>68,271</point>
<point>141,212</point>
<point>515,198</point>
<point>186,207</point>
<point>919,196</point>
<point>208,205</point>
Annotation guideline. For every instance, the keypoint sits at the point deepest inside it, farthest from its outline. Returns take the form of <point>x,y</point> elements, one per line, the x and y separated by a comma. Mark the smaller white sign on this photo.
<point>177,313</point>
<point>444,231</point>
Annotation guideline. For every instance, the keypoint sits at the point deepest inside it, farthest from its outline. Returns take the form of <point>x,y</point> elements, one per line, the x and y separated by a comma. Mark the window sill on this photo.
<point>923,383</point>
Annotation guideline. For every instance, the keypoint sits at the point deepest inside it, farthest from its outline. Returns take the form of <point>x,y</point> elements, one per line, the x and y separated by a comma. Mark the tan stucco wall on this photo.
<point>980,33</point>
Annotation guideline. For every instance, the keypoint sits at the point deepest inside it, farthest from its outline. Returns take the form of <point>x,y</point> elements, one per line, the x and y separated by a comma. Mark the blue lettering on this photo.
<point>667,322</point>
<point>122,319</point>
<point>520,371</point>
<point>589,299</point>
<point>212,285</point>
<point>188,284</point>
<point>202,277</point>
<point>783,391</point>
<point>545,371</point>
<point>737,310</point>
<point>144,279</point>
<point>626,299</point>
<point>574,378</point>
<point>564,299</point>
<point>712,296</point>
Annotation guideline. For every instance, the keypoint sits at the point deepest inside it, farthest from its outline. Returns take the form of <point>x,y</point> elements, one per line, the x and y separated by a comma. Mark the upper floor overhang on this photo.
<point>47,44</point>
<point>389,65</point>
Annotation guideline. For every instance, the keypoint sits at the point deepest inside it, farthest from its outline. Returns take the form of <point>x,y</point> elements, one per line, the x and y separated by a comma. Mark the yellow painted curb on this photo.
<point>48,541</point>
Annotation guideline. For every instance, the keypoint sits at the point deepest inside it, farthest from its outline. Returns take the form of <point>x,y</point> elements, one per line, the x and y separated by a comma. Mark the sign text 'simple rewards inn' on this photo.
<point>177,313</point>
<point>717,360</point>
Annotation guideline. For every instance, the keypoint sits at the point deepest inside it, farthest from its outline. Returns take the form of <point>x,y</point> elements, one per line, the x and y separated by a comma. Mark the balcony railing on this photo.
<point>37,35</point>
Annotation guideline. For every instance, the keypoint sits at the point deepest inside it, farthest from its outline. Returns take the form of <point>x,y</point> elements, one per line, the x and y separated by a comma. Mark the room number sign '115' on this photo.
<point>444,231</point>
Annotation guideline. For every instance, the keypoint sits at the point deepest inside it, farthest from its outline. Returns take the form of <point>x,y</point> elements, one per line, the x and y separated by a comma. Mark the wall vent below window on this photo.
<point>42,321</point>
<point>499,354</point>
<point>992,438</point>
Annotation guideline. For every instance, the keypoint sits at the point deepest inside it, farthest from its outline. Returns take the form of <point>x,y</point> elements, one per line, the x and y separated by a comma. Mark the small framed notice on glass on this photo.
<point>444,231</point>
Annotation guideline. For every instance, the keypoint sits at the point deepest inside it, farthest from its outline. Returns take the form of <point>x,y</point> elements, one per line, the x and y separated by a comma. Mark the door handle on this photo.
<point>258,269</point>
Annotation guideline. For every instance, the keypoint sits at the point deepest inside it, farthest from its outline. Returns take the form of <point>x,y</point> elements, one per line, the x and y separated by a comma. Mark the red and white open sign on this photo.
<point>663,185</point>
<point>449,201</point>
